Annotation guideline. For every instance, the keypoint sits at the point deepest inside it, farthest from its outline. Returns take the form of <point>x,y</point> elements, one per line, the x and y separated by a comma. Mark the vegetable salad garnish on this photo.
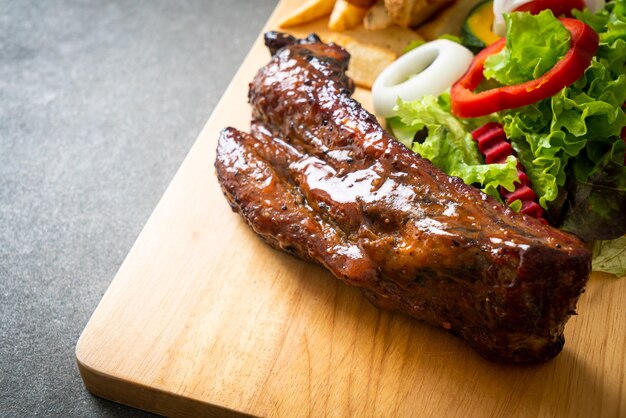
<point>556,87</point>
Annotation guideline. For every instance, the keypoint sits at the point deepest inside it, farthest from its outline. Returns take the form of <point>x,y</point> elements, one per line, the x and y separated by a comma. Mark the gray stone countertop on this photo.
<point>99,103</point>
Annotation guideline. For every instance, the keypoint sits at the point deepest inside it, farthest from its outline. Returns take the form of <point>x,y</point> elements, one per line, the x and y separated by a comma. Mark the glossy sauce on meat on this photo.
<point>381,218</point>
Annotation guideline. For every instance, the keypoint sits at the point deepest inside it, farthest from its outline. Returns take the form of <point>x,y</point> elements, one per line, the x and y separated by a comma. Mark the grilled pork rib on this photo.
<point>319,178</point>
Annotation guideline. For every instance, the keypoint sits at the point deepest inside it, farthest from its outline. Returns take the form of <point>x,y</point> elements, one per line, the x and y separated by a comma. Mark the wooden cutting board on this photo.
<point>205,319</point>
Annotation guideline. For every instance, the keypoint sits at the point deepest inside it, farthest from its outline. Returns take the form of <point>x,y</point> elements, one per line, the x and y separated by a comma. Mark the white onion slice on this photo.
<point>508,6</point>
<point>429,69</point>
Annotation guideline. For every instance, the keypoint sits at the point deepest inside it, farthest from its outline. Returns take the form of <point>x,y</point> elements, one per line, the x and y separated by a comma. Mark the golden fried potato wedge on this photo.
<point>308,11</point>
<point>448,21</point>
<point>377,17</point>
<point>345,16</point>
<point>394,38</point>
<point>366,60</point>
<point>411,13</point>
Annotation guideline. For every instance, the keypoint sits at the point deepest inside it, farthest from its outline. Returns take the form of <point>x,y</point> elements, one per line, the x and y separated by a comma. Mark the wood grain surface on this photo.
<point>203,318</point>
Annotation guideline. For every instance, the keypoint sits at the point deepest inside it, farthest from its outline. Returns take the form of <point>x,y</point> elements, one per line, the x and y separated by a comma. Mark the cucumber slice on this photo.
<point>476,32</point>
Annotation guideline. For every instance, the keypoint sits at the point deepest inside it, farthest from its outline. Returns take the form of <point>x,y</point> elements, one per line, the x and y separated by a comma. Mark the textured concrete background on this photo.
<point>99,103</point>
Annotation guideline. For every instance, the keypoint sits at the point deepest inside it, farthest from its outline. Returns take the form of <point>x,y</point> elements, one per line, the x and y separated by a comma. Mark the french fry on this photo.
<point>345,16</point>
<point>411,13</point>
<point>308,11</point>
<point>377,17</point>
<point>448,21</point>
<point>363,4</point>
<point>366,60</point>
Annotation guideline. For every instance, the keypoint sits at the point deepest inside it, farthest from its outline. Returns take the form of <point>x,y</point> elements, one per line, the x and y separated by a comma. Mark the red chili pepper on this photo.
<point>492,142</point>
<point>467,104</point>
<point>558,7</point>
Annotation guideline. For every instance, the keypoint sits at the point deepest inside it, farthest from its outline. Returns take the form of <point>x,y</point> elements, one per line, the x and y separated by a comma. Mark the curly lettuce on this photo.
<point>428,128</point>
<point>610,256</point>
<point>597,194</point>
<point>533,45</point>
<point>569,143</point>
<point>578,120</point>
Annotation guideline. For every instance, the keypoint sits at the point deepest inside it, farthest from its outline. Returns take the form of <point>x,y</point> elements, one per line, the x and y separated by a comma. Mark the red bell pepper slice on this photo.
<point>558,7</point>
<point>493,144</point>
<point>467,104</point>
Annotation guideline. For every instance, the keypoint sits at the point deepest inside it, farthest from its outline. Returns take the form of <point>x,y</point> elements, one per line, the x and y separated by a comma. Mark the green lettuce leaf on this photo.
<point>583,119</point>
<point>405,134</point>
<point>546,135</point>
<point>569,144</point>
<point>610,256</point>
<point>596,204</point>
<point>447,143</point>
<point>533,45</point>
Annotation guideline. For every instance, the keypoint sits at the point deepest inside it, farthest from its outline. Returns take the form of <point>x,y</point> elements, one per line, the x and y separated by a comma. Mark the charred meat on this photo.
<point>319,178</point>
